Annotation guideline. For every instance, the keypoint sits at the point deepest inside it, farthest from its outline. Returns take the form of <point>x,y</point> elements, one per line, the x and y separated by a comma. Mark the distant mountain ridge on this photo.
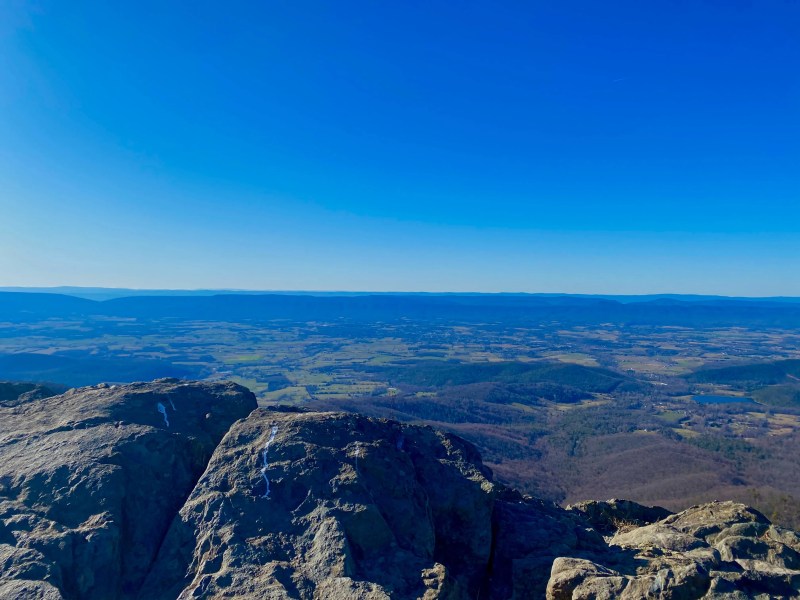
<point>27,306</point>
<point>108,293</point>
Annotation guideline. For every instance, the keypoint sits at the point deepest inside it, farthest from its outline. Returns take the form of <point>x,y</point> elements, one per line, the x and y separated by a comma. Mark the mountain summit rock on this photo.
<point>90,481</point>
<point>174,489</point>
<point>357,508</point>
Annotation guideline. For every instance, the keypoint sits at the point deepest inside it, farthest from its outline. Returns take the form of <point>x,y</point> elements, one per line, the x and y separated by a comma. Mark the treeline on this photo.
<point>749,376</point>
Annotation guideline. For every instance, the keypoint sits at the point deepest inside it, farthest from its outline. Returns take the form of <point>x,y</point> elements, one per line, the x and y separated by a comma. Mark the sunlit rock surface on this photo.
<point>358,508</point>
<point>172,489</point>
<point>715,550</point>
<point>90,481</point>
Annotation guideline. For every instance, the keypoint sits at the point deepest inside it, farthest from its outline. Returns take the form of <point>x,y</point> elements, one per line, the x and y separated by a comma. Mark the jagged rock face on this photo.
<point>175,489</point>
<point>721,550</point>
<point>614,515</point>
<point>90,481</point>
<point>529,535</point>
<point>357,508</point>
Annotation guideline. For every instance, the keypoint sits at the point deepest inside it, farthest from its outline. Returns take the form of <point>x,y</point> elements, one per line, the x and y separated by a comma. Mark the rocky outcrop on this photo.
<point>184,490</point>
<point>357,508</point>
<point>91,479</point>
<point>615,515</point>
<point>719,550</point>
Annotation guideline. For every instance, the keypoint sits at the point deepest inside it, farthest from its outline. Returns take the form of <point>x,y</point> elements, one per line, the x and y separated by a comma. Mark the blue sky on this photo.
<point>571,146</point>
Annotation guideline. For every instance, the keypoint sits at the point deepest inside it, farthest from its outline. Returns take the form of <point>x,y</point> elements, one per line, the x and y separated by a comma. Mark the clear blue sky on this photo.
<point>570,146</point>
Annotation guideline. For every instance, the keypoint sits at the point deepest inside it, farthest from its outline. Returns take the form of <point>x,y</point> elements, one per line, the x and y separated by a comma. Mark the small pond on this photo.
<point>710,399</point>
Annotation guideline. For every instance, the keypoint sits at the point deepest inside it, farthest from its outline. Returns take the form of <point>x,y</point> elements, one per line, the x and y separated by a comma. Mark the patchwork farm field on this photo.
<point>551,403</point>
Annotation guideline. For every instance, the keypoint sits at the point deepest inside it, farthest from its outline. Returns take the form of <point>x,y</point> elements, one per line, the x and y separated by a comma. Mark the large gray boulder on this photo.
<point>91,479</point>
<point>357,508</point>
<point>719,550</point>
<point>347,507</point>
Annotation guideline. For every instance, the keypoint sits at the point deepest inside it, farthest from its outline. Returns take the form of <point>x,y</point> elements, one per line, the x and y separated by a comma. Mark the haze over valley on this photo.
<point>569,398</point>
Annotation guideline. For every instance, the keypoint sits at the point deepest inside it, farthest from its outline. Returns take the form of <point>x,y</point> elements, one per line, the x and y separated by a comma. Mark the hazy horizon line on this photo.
<point>202,290</point>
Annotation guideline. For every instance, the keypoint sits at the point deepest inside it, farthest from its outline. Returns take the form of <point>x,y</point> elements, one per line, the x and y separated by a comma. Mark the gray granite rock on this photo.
<point>91,479</point>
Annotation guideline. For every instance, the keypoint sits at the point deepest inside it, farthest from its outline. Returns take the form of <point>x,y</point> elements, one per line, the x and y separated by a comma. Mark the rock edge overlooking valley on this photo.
<point>175,489</point>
